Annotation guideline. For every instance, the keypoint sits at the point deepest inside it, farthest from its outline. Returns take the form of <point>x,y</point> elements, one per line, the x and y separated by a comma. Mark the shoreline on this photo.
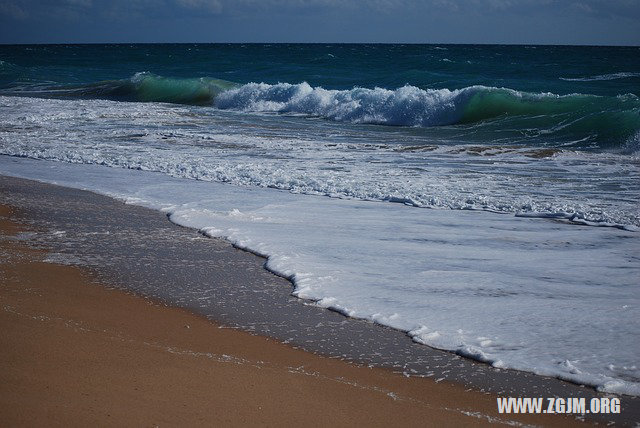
<point>537,380</point>
<point>77,352</point>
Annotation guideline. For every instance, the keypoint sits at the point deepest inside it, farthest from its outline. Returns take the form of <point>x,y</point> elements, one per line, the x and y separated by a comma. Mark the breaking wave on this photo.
<point>609,121</point>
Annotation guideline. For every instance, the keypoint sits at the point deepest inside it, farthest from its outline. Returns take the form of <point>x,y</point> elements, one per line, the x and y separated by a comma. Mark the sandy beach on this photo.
<point>75,352</point>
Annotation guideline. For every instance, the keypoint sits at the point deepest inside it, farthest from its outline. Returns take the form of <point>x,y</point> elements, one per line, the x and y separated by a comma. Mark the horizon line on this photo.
<point>319,43</point>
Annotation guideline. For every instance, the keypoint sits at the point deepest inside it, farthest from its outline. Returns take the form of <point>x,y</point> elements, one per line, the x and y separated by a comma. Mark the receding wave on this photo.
<point>600,77</point>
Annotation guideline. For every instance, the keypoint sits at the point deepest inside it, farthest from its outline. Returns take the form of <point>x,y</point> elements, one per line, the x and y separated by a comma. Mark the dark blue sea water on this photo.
<point>607,71</point>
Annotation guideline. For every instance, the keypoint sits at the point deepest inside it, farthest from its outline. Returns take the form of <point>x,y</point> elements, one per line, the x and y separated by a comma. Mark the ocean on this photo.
<point>483,199</point>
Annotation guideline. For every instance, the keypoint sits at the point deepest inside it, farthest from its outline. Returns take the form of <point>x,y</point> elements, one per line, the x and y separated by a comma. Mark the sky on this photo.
<point>590,22</point>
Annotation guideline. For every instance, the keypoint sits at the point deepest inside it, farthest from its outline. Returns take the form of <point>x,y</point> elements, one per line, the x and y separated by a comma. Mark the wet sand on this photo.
<point>75,352</point>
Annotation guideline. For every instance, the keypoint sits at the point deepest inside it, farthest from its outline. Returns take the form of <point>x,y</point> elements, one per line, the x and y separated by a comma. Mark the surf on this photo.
<point>610,121</point>
<point>602,122</point>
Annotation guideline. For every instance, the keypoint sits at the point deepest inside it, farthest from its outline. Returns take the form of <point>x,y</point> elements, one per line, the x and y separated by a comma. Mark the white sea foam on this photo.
<point>409,106</point>
<point>528,294</point>
<point>632,145</point>
<point>320,158</point>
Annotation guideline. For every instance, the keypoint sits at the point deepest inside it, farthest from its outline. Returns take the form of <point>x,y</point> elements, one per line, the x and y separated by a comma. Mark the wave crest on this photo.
<point>408,105</point>
<point>585,120</point>
<point>608,120</point>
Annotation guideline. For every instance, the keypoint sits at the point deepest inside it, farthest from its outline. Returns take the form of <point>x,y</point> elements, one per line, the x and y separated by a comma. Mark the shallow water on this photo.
<point>496,288</point>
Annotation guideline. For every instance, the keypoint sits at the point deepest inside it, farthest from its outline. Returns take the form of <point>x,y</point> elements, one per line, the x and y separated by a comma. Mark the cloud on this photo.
<point>81,3</point>
<point>13,11</point>
<point>212,6</point>
<point>629,9</point>
<point>569,21</point>
<point>619,8</point>
<point>20,9</point>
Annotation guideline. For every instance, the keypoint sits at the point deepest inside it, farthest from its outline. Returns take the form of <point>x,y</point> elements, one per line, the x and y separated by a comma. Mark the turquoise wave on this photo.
<point>197,91</point>
<point>609,121</point>
<point>487,112</point>
<point>142,87</point>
